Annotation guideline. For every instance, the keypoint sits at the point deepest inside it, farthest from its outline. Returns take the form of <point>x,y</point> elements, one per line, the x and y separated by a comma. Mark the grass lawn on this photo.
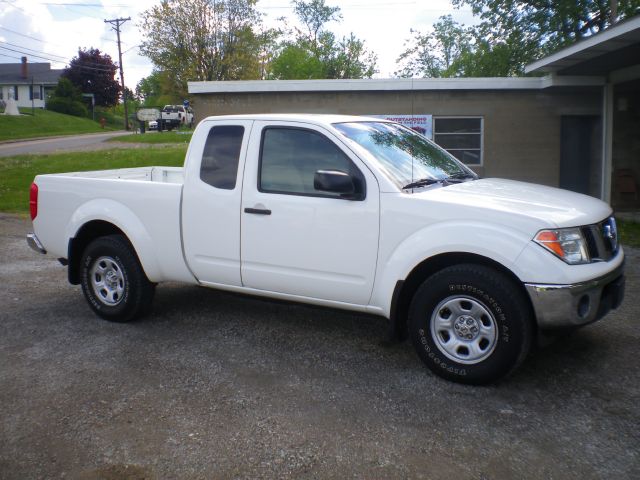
<point>629,233</point>
<point>17,173</point>
<point>183,136</point>
<point>44,124</point>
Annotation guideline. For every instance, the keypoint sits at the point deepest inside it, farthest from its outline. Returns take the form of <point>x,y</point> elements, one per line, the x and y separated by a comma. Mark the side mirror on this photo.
<point>334,181</point>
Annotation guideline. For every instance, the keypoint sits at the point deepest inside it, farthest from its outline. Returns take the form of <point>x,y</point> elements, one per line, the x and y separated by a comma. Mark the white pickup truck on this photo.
<point>347,212</point>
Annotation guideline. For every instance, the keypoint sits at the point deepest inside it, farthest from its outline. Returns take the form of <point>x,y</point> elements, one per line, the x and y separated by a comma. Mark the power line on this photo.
<point>79,65</point>
<point>28,13</point>
<point>34,52</point>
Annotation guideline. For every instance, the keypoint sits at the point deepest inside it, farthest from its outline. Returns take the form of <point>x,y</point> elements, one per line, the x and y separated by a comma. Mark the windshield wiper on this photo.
<point>423,182</point>
<point>462,176</point>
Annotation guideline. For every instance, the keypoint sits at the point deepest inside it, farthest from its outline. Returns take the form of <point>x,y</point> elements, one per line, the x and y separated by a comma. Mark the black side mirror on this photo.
<point>334,181</point>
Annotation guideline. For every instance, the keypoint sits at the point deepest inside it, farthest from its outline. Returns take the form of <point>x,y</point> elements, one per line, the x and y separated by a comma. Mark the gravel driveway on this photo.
<point>217,385</point>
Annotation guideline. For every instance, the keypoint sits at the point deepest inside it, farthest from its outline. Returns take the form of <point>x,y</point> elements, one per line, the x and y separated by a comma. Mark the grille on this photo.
<point>602,240</point>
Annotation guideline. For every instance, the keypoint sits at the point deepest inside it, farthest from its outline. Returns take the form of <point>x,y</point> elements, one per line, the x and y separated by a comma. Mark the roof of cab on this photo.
<point>314,118</point>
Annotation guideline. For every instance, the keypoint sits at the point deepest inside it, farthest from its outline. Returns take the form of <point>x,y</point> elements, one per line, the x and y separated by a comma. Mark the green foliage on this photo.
<point>17,173</point>
<point>202,40</point>
<point>629,232</point>
<point>93,72</point>
<point>314,52</point>
<point>296,63</point>
<point>512,34</point>
<point>44,123</point>
<point>436,54</point>
<point>67,98</point>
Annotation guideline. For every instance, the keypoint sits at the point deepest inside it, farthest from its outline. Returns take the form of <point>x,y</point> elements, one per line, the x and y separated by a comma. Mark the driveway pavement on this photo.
<point>216,385</point>
<point>58,144</point>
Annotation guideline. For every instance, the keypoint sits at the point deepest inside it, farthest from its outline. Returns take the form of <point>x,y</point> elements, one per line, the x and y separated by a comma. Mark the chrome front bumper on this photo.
<point>561,306</point>
<point>35,244</point>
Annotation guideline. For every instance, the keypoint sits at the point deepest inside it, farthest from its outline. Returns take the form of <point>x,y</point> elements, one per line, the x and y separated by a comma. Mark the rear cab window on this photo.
<point>221,155</point>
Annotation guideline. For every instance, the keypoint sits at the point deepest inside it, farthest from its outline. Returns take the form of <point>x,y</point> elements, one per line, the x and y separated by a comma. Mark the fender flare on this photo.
<point>120,216</point>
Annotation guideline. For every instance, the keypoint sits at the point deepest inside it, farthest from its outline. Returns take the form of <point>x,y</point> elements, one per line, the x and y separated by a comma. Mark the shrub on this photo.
<point>67,106</point>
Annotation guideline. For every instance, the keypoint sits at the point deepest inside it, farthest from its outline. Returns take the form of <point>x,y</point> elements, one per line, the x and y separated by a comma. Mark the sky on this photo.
<point>52,31</point>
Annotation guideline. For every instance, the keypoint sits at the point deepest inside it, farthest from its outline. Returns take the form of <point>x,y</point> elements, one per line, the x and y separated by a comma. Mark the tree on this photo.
<point>93,72</point>
<point>535,28</point>
<point>511,34</point>
<point>314,52</point>
<point>66,98</point>
<point>204,40</point>
<point>436,54</point>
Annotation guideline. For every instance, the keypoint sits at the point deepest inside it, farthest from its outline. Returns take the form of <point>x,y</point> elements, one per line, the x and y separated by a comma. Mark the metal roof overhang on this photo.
<point>614,49</point>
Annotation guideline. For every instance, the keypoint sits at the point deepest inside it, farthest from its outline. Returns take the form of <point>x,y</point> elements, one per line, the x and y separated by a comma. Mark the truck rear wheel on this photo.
<point>470,324</point>
<point>113,281</point>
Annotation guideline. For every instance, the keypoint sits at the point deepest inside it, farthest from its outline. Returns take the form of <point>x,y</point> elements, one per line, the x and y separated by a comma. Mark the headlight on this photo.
<point>566,243</point>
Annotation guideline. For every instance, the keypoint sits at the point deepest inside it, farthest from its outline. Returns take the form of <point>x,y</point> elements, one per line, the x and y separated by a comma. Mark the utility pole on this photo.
<point>116,22</point>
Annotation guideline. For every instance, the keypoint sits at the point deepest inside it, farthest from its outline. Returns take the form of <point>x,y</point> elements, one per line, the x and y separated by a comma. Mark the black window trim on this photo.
<point>363,196</point>
<point>481,133</point>
<point>237,183</point>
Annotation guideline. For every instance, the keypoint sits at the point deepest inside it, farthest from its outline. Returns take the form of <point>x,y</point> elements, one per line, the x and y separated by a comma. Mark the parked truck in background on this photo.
<point>347,212</point>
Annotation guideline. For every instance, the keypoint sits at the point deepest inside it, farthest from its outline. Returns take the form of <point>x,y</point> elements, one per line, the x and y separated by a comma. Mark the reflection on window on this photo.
<point>403,153</point>
<point>291,157</point>
<point>219,167</point>
<point>461,137</point>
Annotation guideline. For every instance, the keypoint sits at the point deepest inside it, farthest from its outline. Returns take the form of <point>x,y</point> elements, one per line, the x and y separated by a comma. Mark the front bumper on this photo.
<point>562,306</point>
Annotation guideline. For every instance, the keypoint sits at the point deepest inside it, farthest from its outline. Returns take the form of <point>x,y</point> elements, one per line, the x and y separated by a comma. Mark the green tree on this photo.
<point>67,98</point>
<point>511,34</point>
<point>204,40</point>
<point>438,53</point>
<point>531,29</point>
<point>93,72</point>
<point>314,52</point>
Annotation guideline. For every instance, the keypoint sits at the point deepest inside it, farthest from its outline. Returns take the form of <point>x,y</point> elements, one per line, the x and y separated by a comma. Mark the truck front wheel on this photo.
<point>470,324</point>
<point>113,281</point>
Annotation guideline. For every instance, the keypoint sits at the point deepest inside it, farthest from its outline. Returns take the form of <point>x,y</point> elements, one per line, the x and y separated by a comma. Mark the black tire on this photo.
<point>453,302</point>
<point>113,281</point>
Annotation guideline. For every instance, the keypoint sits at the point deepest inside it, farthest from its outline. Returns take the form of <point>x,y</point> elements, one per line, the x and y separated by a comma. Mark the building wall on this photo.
<point>521,127</point>
<point>23,95</point>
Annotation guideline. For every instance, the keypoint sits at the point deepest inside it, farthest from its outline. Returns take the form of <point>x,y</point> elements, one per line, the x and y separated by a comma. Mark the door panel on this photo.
<point>211,202</point>
<point>311,244</point>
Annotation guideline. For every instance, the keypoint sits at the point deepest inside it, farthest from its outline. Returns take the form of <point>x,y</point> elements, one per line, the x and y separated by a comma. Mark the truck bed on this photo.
<point>143,201</point>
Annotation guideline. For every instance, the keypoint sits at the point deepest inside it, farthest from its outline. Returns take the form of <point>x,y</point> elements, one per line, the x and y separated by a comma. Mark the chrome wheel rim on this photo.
<point>107,281</point>
<point>464,329</point>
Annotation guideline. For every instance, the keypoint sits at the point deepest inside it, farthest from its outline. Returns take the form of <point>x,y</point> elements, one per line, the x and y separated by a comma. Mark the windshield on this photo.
<point>406,155</point>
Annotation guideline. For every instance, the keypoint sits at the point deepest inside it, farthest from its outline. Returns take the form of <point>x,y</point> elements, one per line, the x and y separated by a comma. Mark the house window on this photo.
<point>15,92</point>
<point>1,93</point>
<point>34,92</point>
<point>462,137</point>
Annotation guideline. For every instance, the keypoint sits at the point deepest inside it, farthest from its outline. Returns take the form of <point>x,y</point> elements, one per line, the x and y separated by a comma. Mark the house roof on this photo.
<point>11,74</point>
<point>615,48</point>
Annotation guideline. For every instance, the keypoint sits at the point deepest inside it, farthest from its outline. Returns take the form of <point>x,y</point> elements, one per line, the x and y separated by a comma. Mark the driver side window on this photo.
<point>290,157</point>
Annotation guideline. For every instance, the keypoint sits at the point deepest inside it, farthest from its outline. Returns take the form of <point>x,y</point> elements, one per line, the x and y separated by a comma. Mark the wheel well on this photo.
<point>406,289</point>
<point>87,233</point>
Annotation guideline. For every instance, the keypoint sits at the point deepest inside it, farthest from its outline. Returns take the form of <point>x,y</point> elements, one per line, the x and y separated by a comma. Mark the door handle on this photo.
<point>258,211</point>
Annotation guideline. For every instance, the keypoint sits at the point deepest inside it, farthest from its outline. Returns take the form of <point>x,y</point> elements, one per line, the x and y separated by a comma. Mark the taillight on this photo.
<point>33,201</point>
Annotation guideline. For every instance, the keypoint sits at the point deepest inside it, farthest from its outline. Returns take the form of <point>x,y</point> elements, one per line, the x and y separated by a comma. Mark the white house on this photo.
<point>31,82</point>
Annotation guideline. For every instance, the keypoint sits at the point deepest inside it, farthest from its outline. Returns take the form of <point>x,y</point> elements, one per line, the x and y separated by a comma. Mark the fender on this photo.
<point>493,241</point>
<point>122,217</point>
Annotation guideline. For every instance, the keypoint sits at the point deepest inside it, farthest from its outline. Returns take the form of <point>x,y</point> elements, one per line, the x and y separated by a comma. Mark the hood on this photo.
<point>551,207</point>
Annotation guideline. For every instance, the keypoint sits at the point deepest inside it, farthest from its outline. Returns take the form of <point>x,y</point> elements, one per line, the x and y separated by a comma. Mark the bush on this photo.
<point>67,106</point>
